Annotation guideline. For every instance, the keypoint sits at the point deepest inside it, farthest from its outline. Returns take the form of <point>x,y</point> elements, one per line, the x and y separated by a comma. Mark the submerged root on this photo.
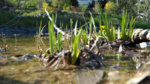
<point>87,58</point>
<point>54,61</point>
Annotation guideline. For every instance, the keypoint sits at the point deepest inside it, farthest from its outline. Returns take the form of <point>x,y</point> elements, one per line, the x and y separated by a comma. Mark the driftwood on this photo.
<point>140,35</point>
<point>62,32</point>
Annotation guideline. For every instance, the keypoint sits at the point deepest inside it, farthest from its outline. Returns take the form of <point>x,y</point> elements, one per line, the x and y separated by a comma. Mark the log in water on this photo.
<point>141,35</point>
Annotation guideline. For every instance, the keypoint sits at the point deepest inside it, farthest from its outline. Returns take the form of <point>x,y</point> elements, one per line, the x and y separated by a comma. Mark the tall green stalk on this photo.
<point>38,43</point>
<point>100,24</point>
<point>126,33</point>
<point>124,24</point>
<point>93,22</point>
<point>40,29</point>
<point>107,34</point>
<point>131,28</point>
<point>76,47</point>
<point>84,37</point>
<point>119,33</point>
<point>71,23</point>
<point>90,30</point>
<point>59,44</point>
<point>51,36</point>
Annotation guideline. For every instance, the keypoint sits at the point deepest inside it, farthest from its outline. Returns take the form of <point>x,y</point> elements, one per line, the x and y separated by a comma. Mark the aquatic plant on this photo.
<point>84,37</point>
<point>124,24</point>
<point>92,27</point>
<point>108,32</point>
<point>118,34</point>
<point>76,47</point>
<point>131,28</point>
<point>59,44</point>
<point>40,29</point>
<point>126,33</point>
<point>71,23</point>
<point>100,26</point>
<point>39,40</point>
<point>51,36</point>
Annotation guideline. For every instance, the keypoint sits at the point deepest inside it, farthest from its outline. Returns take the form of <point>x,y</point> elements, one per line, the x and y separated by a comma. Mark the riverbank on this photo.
<point>63,19</point>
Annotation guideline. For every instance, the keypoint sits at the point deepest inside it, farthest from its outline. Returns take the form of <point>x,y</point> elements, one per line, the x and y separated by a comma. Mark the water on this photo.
<point>118,68</point>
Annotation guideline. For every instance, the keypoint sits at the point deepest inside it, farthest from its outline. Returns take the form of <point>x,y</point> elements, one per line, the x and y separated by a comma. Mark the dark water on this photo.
<point>19,31</point>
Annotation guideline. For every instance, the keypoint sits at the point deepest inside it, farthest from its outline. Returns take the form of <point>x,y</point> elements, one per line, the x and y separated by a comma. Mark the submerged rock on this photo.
<point>140,77</point>
<point>27,56</point>
<point>89,77</point>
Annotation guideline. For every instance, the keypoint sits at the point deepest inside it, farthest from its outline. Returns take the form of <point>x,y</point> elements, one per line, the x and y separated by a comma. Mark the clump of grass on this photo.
<point>52,38</point>
<point>108,32</point>
<point>131,28</point>
<point>124,24</point>
<point>127,26</point>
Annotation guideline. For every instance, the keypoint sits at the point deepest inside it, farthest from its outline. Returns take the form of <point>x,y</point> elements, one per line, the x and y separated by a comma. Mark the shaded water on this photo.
<point>118,68</point>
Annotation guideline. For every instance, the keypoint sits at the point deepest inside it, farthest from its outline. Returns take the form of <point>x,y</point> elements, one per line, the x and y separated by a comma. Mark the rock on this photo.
<point>113,74</point>
<point>143,45</point>
<point>89,77</point>
<point>140,77</point>
<point>26,57</point>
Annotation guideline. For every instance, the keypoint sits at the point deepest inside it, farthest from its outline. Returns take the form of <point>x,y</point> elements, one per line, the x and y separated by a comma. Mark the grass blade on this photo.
<point>76,47</point>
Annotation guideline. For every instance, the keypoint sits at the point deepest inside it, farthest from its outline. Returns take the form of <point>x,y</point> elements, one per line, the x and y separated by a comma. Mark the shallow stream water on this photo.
<point>118,68</point>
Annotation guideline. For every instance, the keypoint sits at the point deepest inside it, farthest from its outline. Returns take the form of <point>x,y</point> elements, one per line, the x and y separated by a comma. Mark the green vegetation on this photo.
<point>79,37</point>
<point>59,44</point>
<point>76,47</point>
<point>124,24</point>
<point>25,5</point>
<point>30,12</point>
<point>90,29</point>
<point>127,33</point>
<point>142,24</point>
<point>84,37</point>
<point>52,37</point>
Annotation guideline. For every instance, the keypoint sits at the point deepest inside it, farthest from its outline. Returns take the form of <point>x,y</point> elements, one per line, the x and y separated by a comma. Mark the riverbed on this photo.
<point>30,71</point>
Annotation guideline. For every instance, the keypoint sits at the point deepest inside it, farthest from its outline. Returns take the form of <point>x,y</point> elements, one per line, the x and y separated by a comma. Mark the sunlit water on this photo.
<point>28,72</point>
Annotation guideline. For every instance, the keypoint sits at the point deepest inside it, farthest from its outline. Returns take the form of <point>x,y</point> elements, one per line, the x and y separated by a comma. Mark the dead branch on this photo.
<point>62,32</point>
